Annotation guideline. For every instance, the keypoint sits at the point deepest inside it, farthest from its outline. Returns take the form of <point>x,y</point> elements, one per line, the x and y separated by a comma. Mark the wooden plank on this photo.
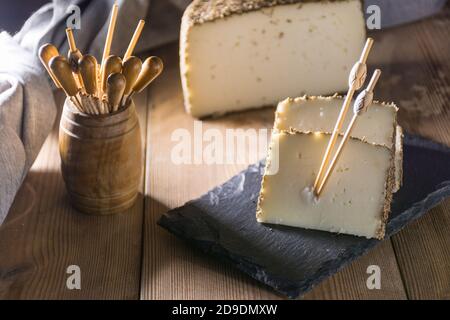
<point>418,79</point>
<point>423,255</point>
<point>173,270</point>
<point>416,75</point>
<point>350,283</point>
<point>43,235</point>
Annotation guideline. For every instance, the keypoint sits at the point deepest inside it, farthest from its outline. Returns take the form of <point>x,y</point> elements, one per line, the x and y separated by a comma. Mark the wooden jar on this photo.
<point>101,159</point>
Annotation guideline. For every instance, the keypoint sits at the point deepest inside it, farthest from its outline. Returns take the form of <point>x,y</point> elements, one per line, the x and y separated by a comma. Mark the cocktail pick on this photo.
<point>362,102</point>
<point>114,90</point>
<point>63,72</point>
<point>108,41</point>
<point>151,68</point>
<point>130,69</point>
<point>74,55</point>
<point>113,64</point>
<point>46,53</point>
<point>88,70</point>
<point>110,34</point>
<point>355,81</point>
<point>134,39</point>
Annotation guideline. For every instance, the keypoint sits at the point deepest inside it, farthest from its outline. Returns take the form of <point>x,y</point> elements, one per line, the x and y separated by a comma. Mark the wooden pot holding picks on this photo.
<point>99,136</point>
<point>101,159</point>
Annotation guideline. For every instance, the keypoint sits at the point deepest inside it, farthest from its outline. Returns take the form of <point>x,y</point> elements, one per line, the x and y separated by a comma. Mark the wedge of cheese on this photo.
<point>236,55</point>
<point>357,197</point>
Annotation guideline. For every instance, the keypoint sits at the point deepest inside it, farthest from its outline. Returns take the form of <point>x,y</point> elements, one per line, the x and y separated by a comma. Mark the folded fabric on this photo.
<point>27,112</point>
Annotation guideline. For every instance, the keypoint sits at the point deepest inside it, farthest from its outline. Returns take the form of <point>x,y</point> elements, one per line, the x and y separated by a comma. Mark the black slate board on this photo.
<point>292,260</point>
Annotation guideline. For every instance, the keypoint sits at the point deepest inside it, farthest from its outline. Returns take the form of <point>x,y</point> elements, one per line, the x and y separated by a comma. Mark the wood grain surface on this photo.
<point>129,256</point>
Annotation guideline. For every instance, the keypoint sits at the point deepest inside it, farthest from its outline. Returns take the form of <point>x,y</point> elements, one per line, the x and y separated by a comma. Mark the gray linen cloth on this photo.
<point>27,108</point>
<point>27,112</point>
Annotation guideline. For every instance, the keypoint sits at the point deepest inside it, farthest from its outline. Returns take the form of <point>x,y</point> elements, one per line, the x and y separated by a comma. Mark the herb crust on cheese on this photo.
<point>201,11</point>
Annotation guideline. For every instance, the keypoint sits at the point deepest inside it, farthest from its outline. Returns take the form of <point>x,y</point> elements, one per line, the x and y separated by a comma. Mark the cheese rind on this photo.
<point>246,58</point>
<point>201,11</point>
<point>349,205</point>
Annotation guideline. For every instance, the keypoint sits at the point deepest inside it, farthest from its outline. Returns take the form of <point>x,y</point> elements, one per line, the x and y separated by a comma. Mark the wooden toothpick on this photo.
<point>63,72</point>
<point>46,53</point>
<point>362,102</point>
<point>151,69</point>
<point>110,34</point>
<point>109,37</point>
<point>71,40</point>
<point>74,56</point>
<point>355,81</point>
<point>134,40</point>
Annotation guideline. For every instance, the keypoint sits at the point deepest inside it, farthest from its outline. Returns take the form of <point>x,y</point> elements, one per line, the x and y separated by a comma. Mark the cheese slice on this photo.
<point>319,114</point>
<point>236,55</point>
<point>356,199</point>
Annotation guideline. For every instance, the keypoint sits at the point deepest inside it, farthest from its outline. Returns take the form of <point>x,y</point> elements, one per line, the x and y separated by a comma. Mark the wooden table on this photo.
<point>128,256</point>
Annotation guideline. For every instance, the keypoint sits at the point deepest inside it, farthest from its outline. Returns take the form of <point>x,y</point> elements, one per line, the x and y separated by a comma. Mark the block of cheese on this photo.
<point>319,114</point>
<point>240,54</point>
<point>357,197</point>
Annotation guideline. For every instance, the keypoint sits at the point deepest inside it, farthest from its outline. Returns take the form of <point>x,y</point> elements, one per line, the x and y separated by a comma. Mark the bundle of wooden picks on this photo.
<point>356,80</point>
<point>103,89</point>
